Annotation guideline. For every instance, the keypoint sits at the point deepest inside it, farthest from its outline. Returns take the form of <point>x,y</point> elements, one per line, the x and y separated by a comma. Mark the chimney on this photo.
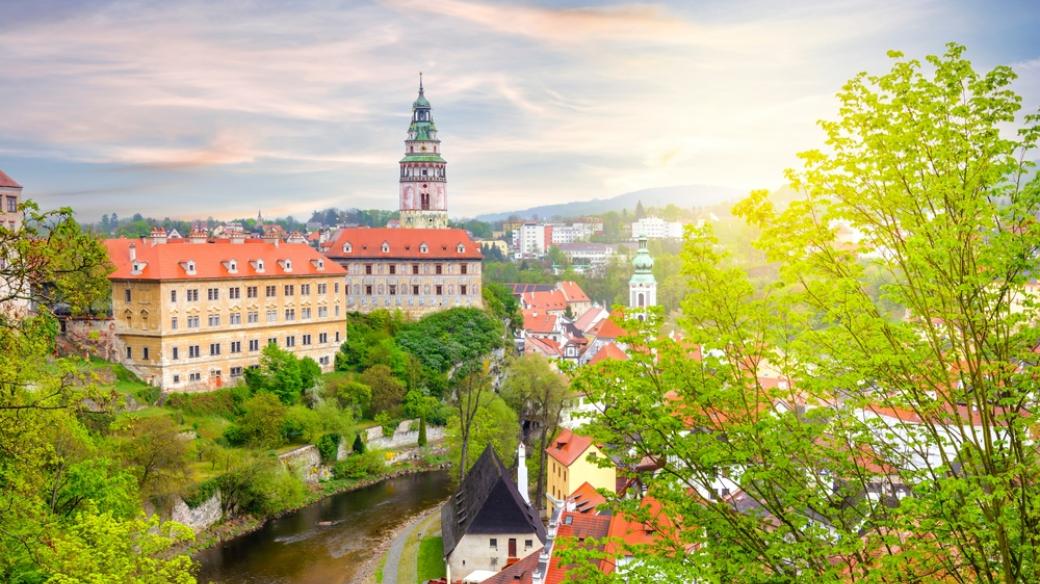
<point>158,235</point>
<point>133,252</point>
<point>521,472</point>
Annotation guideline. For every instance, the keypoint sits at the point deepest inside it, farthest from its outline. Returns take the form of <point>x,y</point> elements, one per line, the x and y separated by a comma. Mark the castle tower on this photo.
<point>424,197</point>
<point>642,286</point>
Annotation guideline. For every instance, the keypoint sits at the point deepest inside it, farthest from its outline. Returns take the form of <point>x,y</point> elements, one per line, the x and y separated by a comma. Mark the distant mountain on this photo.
<point>685,196</point>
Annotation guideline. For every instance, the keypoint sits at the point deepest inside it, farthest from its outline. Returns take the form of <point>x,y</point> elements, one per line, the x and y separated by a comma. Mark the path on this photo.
<point>393,556</point>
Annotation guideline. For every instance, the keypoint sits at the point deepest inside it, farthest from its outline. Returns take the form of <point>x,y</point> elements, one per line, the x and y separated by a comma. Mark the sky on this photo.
<point>196,109</point>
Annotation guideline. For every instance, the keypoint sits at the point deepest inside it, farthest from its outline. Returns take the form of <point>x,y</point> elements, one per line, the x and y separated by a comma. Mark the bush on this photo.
<point>422,432</point>
<point>359,445</point>
<point>328,446</point>
<point>263,420</point>
<point>359,466</point>
<point>387,423</point>
<point>214,403</point>
<point>262,487</point>
<point>234,435</point>
<point>202,492</point>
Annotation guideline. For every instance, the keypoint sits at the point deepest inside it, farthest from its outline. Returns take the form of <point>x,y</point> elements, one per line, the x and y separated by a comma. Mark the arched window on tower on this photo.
<point>425,201</point>
<point>641,300</point>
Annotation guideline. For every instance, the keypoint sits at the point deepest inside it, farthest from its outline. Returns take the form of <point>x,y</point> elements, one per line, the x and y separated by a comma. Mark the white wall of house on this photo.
<point>476,552</point>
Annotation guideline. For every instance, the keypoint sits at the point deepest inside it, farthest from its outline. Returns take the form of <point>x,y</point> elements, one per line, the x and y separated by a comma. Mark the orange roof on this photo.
<point>252,258</point>
<point>368,243</point>
<point>589,318</point>
<point>607,329</point>
<point>578,526</point>
<point>544,300</point>
<point>586,498</point>
<point>547,347</point>
<point>572,291</point>
<point>537,321</point>
<point>6,181</point>
<point>568,446</point>
<point>609,351</point>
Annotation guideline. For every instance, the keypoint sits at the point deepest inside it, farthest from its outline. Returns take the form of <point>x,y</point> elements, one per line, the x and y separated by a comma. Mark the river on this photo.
<point>295,549</point>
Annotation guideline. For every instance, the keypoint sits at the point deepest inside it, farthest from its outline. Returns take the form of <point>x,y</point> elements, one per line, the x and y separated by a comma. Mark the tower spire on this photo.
<point>420,83</point>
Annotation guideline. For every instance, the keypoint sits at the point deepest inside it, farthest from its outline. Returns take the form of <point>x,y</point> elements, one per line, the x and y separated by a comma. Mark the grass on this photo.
<point>379,570</point>
<point>429,561</point>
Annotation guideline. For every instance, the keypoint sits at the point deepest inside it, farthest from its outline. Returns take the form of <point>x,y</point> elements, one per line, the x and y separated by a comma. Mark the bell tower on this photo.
<point>642,286</point>
<point>424,184</point>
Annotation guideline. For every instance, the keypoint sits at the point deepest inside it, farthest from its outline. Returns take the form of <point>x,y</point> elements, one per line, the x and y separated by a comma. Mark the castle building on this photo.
<point>424,197</point>
<point>422,266</point>
<point>193,313</point>
<point>10,197</point>
<point>642,286</point>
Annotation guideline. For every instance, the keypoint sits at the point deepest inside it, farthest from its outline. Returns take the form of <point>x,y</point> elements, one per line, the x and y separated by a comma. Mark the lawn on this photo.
<point>430,564</point>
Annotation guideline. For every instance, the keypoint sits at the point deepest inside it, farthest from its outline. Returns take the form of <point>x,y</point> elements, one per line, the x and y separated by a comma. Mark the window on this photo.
<point>393,269</point>
<point>173,296</point>
<point>494,543</point>
<point>236,346</point>
<point>126,295</point>
<point>270,291</point>
<point>176,354</point>
<point>290,314</point>
<point>235,318</point>
<point>368,269</point>
<point>272,341</point>
<point>289,289</point>
<point>144,353</point>
<point>176,378</point>
<point>392,289</point>
<point>194,376</point>
<point>305,289</point>
<point>323,337</point>
<point>336,287</point>
<point>324,360</point>
<point>193,322</point>
<point>173,323</point>
<point>337,336</point>
<point>337,310</point>
<point>305,340</point>
<point>12,204</point>
<point>305,313</point>
<point>214,320</point>
<point>193,351</point>
<point>423,248</point>
<point>323,311</point>
<point>214,348</point>
<point>254,345</point>
<point>129,353</point>
<point>415,269</point>
<point>193,295</point>
<point>439,289</point>
<point>251,292</point>
<point>290,341</point>
<point>236,372</point>
<point>272,314</point>
<point>386,247</point>
<point>462,289</point>
<point>368,290</point>
<point>213,294</point>
<point>463,268</point>
<point>415,290</point>
<point>323,288</point>
<point>438,269</point>
<point>253,316</point>
<point>235,293</point>
<point>528,544</point>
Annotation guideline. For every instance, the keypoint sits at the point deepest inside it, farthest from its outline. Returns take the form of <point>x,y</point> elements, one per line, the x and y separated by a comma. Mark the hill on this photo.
<point>683,196</point>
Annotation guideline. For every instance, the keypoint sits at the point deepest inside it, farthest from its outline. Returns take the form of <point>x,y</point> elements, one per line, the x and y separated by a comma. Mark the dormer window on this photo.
<point>319,264</point>
<point>189,267</point>
<point>461,248</point>
<point>231,266</point>
<point>347,248</point>
<point>423,248</point>
<point>137,267</point>
<point>258,265</point>
<point>386,247</point>
<point>286,265</point>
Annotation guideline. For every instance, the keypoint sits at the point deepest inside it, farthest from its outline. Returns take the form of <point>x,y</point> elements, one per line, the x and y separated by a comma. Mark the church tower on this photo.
<point>642,286</point>
<point>424,197</point>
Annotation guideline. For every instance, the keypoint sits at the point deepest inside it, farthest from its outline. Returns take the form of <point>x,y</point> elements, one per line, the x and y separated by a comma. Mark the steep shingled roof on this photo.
<point>7,181</point>
<point>367,243</point>
<point>487,502</point>
<point>568,446</point>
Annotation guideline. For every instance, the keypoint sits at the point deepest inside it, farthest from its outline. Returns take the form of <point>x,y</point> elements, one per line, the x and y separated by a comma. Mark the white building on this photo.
<point>532,240</point>
<point>642,287</point>
<point>656,228</point>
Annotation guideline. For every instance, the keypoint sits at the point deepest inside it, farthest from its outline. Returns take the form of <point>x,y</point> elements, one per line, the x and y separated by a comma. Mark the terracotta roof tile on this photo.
<point>586,498</point>
<point>568,446</point>
<point>609,351</point>
<point>607,329</point>
<point>7,181</point>
<point>367,242</point>
<point>544,300</point>
<point>572,291</point>
<point>169,261</point>
<point>537,321</point>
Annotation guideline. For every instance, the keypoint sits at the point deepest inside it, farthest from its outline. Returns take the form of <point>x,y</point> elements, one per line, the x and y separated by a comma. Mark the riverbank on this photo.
<point>235,527</point>
<point>385,550</point>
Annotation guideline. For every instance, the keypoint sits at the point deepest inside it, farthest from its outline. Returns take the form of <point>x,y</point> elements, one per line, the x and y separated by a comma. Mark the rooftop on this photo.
<point>568,446</point>
<point>390,243</point>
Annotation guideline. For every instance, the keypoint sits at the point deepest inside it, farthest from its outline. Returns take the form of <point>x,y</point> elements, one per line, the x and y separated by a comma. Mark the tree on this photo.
<point>387,391</point>
<point>283,374</point>
<point>886,450</point>
<point>152,448</point>
<point>537,394</point>
<point>501,304</point>
<point>263,420</point>
<point>422,432</point>
<point>446,339</point>
<point>469,394</point>
<point>348,393</point>
<point>640,211</point>
<point>492,422</point>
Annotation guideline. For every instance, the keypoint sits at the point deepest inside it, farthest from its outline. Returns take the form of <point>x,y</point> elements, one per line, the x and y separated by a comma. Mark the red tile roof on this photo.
<point>579,527</point>
<point>518,573</point>
<point>572,291</point>
<point>7,181</point>
<point>568,446</point>
<point>168,261</point>
<point>367,243</point>
<point>544,300</point>
<point>609,351</point>
<point>589,318</point>
<point>607,329</point>
<point>586,498</point>
<point>537,321</point>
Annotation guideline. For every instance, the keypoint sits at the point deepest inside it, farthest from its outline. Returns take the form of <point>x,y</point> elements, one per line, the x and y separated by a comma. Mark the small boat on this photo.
<point>329,523</point>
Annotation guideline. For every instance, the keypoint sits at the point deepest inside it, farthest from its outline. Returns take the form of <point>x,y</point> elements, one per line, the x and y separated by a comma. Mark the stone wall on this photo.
<point>89,336</point>
<point>201,517</point>
<point>404,435</point>
<point>305,461</point>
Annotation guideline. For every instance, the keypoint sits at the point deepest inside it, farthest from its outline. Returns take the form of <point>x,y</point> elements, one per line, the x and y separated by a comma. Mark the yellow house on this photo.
<point>569,466</point>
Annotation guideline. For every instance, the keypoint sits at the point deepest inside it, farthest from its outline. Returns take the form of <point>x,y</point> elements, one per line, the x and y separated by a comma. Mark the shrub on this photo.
<point>202,492</point>
<point>359,466</point>
<point>214,403</point>
<point>422,432</point>
<point>359,444</point>
<point>262,487</point>
<point>234,435</point>
<point>388,424</point>
<point>328,446</point>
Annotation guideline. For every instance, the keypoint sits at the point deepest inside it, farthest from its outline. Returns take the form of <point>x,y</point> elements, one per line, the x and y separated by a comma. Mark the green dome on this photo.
<point>421,102</point>
<point>643,262</point>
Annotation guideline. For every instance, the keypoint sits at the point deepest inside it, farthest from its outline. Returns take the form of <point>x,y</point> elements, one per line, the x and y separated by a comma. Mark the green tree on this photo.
<point>153,450</point>
<point>283,374</point>
<point>348,393</point>
<point>921,162</point>
<point>387,391</point>
<point>491,421</point>
<point>446,339</point>
<point>537,393</point>
<point>264,419</point>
